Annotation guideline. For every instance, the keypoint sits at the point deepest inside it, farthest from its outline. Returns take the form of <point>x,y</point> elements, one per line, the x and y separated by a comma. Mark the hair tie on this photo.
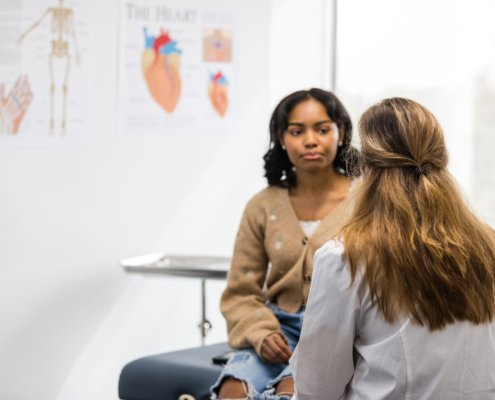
<point>422,169</point>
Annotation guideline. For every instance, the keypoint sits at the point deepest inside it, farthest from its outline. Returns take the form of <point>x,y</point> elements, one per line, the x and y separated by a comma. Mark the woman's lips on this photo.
<point>311,156</point>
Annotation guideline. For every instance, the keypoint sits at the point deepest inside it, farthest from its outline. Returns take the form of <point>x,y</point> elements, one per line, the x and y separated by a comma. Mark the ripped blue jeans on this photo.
<point>262,377</point>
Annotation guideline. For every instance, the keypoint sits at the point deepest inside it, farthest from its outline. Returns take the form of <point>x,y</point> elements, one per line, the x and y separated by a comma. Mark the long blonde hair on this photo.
<point>423,252</point>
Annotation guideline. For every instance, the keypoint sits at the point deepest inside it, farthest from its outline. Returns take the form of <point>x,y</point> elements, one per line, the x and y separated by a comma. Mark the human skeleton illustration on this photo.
<point>62,25</point>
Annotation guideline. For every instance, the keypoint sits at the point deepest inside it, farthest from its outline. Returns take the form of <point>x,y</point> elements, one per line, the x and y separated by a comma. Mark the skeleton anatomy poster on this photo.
<point>43,79</point>
<point>177,67</point>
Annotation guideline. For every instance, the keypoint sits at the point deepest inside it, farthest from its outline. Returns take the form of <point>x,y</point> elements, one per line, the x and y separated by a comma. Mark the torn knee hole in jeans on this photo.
<point>248,389</point>
<point>289,394</point>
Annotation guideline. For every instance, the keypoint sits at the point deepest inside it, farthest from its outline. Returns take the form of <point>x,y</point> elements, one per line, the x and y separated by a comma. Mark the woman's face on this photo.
<point>311,138</point>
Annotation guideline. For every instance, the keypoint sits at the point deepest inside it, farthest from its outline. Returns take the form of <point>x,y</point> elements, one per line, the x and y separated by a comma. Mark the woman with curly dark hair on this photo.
<point>310,166</point>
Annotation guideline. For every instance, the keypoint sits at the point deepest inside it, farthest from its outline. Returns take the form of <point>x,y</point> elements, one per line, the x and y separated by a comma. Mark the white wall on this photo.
<point>70,318</point>
<point>300,46</point>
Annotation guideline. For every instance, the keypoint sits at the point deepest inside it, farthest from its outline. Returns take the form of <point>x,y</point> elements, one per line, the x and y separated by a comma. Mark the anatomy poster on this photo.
<point>43,80</point>
<point>177,67</point>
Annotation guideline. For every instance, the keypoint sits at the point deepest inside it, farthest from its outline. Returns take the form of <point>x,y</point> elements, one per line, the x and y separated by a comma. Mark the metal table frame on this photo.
<point>203,267</point>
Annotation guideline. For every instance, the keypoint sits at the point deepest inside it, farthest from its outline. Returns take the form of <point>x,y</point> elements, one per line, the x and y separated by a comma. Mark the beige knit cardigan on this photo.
<point>272,261</point>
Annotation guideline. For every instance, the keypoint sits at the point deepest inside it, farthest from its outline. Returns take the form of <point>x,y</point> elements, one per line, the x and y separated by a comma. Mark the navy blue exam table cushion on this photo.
<point>167,376</point>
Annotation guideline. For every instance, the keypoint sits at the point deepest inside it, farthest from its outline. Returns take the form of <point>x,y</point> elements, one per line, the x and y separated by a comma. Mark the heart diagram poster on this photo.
<point>43,73</point>
<point>177,67</point>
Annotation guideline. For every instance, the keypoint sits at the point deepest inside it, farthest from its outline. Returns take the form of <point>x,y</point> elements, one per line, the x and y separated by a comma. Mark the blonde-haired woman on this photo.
<point>402,306</point>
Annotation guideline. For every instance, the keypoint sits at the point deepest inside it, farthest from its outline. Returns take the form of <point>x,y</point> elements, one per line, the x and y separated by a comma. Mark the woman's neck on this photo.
<point>309,184</point>
<point>315,196</point>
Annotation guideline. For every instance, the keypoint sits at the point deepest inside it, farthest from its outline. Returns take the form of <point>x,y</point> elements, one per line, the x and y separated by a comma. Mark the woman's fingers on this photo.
<point>282,347</point>
<point>275,349</point>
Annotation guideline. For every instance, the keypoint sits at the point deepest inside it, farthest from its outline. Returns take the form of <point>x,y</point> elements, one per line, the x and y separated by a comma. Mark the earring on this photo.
<point>283,147</point>
<point>340,143</point>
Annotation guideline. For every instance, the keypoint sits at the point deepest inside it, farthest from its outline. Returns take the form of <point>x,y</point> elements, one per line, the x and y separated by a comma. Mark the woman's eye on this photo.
<point>294,132</point>
<point>324,130</point>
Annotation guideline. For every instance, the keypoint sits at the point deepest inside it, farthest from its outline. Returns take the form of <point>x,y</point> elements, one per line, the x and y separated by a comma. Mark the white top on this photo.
<point>309,227</point>
<point>392,361</point>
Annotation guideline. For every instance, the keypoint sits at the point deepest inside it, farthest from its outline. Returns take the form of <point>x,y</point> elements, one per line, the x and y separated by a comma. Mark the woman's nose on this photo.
<point>310,139</point>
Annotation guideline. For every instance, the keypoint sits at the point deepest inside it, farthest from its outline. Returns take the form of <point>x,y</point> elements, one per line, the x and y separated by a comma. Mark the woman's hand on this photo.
<point>275,349</point>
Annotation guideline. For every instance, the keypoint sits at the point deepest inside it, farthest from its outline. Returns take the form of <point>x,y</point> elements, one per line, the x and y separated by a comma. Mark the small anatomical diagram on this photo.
<point>217,45</point>
<point>161,69</point>
<point>62,26</point>
<point>13,106</point>
<point>218,93</point>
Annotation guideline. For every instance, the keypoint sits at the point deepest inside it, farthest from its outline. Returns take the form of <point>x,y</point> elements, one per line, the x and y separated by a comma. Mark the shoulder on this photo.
<point>330,263</point>
<point>331,250</point>
<point>332,280</point>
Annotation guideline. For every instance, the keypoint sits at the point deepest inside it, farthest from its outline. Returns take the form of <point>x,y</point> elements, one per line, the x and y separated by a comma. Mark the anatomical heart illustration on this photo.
<point>178,67</point>
<point>218,93</point>
<point>160,64</point>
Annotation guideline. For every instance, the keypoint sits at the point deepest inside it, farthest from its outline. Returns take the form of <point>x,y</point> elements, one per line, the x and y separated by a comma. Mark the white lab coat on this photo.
<point>348,351</point>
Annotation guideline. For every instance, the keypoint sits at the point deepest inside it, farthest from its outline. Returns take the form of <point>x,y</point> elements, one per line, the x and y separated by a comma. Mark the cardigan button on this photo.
<point>305,240</point>
<point>307,278</point>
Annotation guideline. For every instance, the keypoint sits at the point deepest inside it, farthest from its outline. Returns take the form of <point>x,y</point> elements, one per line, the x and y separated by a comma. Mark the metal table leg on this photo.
<point>204,325</point>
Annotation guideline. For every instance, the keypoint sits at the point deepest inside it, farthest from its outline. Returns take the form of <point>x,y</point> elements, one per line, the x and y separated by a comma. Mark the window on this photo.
<point>441,54</point>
